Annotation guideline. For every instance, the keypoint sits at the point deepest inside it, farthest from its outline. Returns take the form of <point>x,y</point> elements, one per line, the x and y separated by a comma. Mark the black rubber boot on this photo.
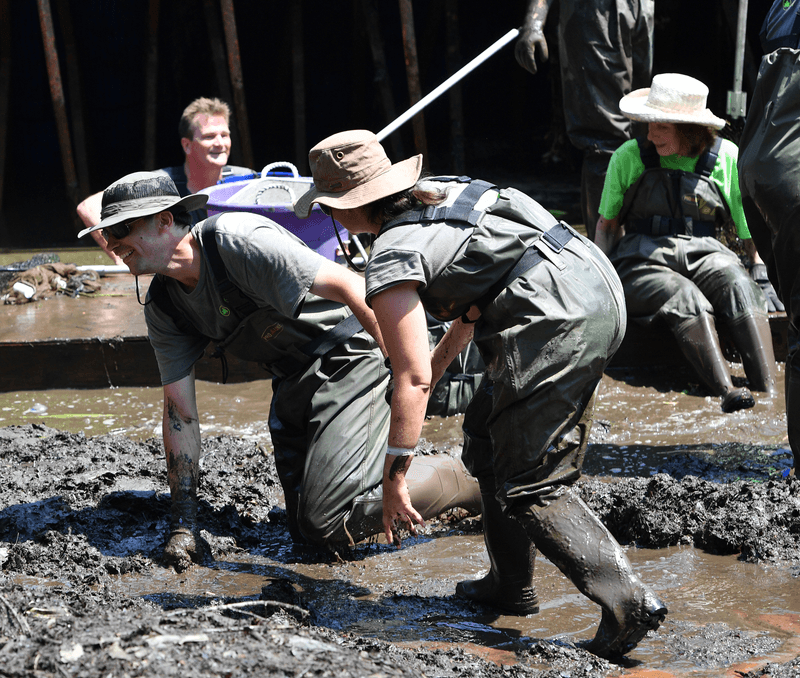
<point>753,339</point>
<point>436,483</point>
<point>509,583</point>
<point>568,533</point>
<point>793,416</point>
<point>699,343</point>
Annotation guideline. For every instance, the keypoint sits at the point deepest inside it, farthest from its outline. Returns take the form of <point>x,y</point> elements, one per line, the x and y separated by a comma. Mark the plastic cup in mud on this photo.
<point>24,289</point>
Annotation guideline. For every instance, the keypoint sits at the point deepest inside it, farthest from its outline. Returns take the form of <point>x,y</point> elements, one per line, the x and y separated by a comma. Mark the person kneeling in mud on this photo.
<point>246,283</point>
<point>547,312</point>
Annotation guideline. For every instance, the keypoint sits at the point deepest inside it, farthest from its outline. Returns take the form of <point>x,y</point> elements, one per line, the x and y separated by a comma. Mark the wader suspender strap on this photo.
<point>460,210</point>
<point>555,239</point>
<point>658,225</point>
<point>463,210</point>
<point>244,306</point>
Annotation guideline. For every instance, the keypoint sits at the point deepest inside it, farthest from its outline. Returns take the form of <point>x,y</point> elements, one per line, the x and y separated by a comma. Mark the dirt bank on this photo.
<point>81,521</point>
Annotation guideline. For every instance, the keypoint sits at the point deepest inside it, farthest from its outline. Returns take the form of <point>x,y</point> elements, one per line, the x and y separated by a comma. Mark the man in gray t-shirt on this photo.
<point>257,291</point>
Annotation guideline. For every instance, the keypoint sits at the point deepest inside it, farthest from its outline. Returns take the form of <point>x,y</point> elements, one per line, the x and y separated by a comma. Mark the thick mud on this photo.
<point>83,591</point>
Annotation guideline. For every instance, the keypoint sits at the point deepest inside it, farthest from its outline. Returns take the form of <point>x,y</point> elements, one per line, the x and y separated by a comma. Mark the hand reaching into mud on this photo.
<point>397,509</point>
<point>184,547</point>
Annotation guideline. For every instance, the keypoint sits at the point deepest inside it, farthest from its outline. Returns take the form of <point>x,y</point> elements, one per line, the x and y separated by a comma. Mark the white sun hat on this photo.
<point>672,97</point>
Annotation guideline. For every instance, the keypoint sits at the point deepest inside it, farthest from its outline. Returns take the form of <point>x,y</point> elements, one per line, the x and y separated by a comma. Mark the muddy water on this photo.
<point>644,421</point>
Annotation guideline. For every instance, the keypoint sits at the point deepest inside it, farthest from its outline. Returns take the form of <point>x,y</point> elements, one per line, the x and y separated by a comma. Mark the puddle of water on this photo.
<point>367,597</point>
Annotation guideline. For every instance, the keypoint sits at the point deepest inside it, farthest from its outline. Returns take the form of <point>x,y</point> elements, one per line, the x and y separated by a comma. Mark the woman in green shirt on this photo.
<point>664,201</point>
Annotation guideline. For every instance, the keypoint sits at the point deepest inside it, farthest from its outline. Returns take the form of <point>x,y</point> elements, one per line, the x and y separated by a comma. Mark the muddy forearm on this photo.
<point>181,431</point>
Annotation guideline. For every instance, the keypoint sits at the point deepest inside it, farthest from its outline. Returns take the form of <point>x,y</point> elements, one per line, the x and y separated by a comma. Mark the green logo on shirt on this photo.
<point>224,310</point>
<point>787,3</point>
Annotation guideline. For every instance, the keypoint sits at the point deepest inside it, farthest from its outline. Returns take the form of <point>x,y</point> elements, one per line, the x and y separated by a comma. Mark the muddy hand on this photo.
<point>398,512</point>
<point>185,547</point>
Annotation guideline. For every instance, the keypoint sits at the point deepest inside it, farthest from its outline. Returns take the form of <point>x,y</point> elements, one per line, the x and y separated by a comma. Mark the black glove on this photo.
<point>758,272</point>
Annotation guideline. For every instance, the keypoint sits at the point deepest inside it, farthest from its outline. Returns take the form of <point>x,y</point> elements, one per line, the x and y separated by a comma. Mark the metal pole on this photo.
<point>447,84</point>
<point>151,87</point>
<point>237,81</point>
<point>299,85</point>
<point>737,100</point>
<point>412,73</point>
<point>57,94</point>
<point>5,84</point>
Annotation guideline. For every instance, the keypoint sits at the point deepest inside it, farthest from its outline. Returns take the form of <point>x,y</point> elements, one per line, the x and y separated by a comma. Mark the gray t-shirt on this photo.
<point>265,261</point>
<point>455,263</point>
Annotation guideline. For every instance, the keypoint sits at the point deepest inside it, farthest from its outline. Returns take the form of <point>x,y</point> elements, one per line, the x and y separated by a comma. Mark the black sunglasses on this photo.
<point>119,231</point>
<point>325,209</point>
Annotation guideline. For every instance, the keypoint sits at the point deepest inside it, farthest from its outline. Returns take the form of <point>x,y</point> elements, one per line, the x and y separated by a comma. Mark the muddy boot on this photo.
<point>509,583</point>
<point>793,416</point>
<point>436,483</point>
<point>568,533</point>
<point>699,343</point>
<point>753,339</point>
<point>184,544</point>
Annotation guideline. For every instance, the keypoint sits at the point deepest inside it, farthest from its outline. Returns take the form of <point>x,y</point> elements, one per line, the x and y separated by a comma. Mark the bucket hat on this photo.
<point>139,195</point>
<point>351,169</point>
<point>671,97</point>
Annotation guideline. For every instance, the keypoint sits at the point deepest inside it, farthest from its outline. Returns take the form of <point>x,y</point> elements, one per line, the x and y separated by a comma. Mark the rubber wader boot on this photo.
<point>436,483</point>
<point>753,339</point>
<point>509,583</point>
<point>184,543</point>
<point>699,343</point>
<point>568,533</point>
<point>793,416</point>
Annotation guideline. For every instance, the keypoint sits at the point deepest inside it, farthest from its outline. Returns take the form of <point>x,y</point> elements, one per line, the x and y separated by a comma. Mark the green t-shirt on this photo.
<point>626,166</point>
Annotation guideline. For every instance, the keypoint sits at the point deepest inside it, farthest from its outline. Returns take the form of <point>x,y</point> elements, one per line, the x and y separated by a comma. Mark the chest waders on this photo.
<point>566,531</point>
<point>676,203</point>
<point>283,346</point>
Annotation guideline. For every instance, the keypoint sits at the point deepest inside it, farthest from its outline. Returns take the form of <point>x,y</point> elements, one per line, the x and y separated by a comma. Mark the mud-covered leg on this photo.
<point>509,583</point>
<point>569,534</point>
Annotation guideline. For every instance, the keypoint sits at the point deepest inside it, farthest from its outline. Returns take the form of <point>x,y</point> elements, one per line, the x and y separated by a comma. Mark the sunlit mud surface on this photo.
<point>698,497</point>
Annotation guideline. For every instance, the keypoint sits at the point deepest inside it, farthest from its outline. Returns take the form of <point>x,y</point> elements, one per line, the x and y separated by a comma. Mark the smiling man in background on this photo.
<point>205,134</point>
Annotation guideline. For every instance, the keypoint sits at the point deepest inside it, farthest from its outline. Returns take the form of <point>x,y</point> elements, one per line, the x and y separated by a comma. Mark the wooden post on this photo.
<point>76,109</point>
<point>381,71</point>
<point>298,87</point>
<point>237,82</point>
<point>456,106</point>
<point>412,73</point>
<point>151,87</point>
<point>5,84</point>
<point>220,68</point>
<point>57,94</point>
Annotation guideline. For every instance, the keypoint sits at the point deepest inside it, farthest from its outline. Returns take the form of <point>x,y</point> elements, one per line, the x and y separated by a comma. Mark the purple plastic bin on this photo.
<point>316,231</point>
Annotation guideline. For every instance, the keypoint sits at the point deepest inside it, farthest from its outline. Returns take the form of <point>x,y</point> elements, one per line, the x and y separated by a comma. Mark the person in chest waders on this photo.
<point>547,312</point>
<point>249,285</point>
<point>665,198</point>
<point>769,174</point>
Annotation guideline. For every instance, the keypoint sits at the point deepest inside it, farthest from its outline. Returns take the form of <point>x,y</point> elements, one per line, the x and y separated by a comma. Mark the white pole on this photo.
<point>447,84</point>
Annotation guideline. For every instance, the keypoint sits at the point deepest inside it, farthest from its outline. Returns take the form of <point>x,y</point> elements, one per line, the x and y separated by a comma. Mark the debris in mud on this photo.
<point>79,515</point>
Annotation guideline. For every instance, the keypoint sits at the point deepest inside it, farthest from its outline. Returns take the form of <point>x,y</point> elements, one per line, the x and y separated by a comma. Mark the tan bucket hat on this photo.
<point>351,169</point>
<point>139,195</point>
<point>672,97</point>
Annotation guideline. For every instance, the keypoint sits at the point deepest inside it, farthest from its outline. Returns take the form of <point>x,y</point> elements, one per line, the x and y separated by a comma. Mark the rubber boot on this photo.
<point>753,339</point>
<point>793,416</point>
<point>699,343</point>
<point>570,535</point>
<point>509,583</point>
<point>436,483</point>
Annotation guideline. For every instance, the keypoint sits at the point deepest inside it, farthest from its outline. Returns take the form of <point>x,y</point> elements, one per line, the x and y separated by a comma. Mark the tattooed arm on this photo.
<point>181,431</point>
<point>401,317</point>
